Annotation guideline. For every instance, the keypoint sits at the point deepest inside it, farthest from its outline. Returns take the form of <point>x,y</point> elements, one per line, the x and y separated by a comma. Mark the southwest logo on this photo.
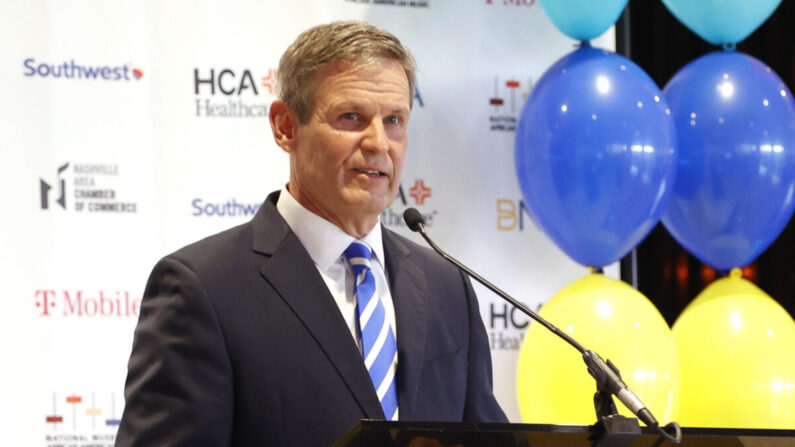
<point>73,70</point>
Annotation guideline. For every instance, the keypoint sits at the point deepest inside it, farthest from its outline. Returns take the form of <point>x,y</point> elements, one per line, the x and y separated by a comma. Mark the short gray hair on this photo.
<point>356,42</point>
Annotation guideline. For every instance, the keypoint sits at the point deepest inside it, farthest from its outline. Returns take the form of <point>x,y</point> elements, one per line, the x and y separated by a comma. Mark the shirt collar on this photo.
<point>324,241</point>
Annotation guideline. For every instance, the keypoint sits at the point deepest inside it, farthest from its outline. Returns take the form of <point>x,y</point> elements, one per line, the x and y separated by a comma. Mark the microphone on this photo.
<point>414,219</point>
<point>605,373</point>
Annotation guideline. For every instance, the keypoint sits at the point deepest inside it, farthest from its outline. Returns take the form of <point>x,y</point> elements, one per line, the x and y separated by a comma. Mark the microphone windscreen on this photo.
<point>413,219</point>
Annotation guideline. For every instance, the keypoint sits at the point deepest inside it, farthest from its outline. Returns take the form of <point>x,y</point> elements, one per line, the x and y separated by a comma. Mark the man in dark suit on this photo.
<point>291,328</point>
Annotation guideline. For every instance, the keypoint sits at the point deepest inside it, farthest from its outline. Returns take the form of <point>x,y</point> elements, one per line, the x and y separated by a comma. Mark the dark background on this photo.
<point>652,37</point>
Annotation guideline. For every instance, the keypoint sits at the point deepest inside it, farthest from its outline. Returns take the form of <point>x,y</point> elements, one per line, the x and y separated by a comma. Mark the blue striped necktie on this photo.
<point>379,348</point>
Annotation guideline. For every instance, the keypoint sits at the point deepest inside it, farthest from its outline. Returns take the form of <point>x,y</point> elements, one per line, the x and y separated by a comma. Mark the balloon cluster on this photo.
<point>602,155</point>
<point>596,161</point>
<point>735,121</point>
<point>595,145</point>
<point>615,320</point>
<point>735,350</point>
<point>734,194</point>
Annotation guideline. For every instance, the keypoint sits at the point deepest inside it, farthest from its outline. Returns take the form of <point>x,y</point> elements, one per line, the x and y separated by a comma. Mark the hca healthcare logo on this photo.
<point>232,93</point>
<point>235,93</point>
<point>419,192</point>
<point>73,70</point>
<point>506,326</point>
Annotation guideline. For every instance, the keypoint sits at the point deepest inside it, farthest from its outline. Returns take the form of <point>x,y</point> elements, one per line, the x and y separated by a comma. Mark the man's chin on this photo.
<point>375,208</point>
<point>370,201</point>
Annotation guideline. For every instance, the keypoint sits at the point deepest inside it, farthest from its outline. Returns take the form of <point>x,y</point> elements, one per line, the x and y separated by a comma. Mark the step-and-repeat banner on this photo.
<point>129,129</point>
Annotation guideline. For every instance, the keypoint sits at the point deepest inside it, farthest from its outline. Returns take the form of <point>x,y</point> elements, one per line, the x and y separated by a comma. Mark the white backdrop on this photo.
<point>131,128</point>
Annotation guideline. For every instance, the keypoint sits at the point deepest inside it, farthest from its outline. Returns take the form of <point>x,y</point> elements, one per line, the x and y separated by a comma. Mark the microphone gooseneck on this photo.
<point>605,373</point>
<point>416,223</point>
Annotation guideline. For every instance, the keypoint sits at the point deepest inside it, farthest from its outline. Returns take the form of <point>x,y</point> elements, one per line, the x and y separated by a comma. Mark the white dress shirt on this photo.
<point>326,243</point>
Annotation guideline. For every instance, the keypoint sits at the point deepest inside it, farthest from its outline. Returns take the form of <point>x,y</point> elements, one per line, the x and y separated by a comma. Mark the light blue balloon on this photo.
<point>595,155</point>
<point>583,19</point>
<point>722,21</point>
<point>735,185</point>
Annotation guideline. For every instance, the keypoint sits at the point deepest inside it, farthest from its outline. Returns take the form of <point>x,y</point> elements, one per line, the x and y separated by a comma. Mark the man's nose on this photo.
<point>375,138</point>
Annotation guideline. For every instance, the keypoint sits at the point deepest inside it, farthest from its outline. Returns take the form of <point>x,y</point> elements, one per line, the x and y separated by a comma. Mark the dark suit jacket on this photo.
<point>239,343</point>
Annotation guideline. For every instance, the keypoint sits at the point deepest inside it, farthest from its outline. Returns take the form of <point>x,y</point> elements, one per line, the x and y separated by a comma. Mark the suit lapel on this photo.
<point>311,302</point>
<point>409,295</point>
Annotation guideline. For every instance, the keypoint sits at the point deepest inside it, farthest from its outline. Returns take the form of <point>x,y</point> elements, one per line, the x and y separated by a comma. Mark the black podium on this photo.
<point>372,433</point>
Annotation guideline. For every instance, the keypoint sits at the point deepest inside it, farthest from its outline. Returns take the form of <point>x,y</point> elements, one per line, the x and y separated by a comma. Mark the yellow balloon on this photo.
<point>737,350</point>
<point>620,324</point>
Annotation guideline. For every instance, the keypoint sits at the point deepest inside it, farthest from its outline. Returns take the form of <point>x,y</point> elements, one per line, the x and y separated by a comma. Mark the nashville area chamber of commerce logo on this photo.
<point>84,187</point>
<point>509,97</point>
<point>232,93</point>
<point>83,420</point>
<point>70,69</point>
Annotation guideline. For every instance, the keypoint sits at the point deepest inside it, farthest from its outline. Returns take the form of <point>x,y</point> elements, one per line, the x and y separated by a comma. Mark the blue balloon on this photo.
<point>735,187</point>
<point>722,21</point>
<point>595,155</point>
<point>583,19</point>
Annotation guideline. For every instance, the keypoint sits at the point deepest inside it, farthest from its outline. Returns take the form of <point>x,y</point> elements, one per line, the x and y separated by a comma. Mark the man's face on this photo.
<point>346,160</point>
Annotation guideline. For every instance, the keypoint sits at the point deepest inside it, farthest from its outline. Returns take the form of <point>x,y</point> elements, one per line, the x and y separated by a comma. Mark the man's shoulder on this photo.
<point>405,244</point>
<point>230,240</point>
<point>418,253</point>
<point>215,256</point>
<point>236,244</point>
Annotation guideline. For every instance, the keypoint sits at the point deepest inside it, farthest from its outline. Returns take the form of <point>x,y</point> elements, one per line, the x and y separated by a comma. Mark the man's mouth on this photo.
<point>370,172</point>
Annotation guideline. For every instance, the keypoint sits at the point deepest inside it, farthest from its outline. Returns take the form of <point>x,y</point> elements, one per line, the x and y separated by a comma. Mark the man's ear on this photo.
<point>284,123</point>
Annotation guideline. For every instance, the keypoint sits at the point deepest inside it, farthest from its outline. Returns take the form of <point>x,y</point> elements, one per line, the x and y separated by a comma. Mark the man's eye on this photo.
<point>350,116</point>
<point>392,120</point>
